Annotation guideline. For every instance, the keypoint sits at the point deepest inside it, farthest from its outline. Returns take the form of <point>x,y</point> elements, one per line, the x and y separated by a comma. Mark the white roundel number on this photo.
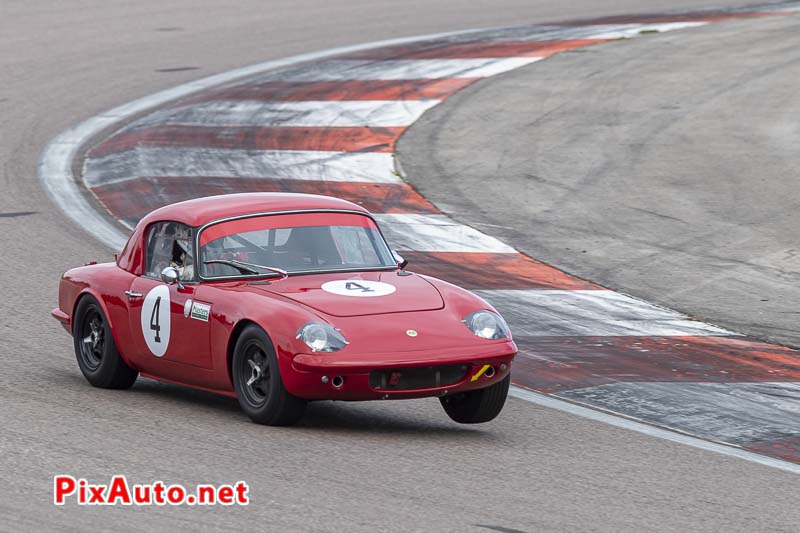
<point>155,320</point>
<point>358,287</point>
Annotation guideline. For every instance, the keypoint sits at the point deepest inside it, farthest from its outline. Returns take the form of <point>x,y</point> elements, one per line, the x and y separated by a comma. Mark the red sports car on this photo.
<point>278,299</point>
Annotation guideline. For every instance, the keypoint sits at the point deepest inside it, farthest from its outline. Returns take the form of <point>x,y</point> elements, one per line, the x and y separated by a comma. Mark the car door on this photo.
<point>167,324</point>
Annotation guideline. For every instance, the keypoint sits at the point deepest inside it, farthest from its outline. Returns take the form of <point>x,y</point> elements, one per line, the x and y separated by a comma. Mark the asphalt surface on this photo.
<point>386,466</point>
<point>665,167</point>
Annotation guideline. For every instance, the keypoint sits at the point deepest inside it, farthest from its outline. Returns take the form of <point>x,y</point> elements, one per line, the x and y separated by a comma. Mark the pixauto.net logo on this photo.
<point>119,492</point>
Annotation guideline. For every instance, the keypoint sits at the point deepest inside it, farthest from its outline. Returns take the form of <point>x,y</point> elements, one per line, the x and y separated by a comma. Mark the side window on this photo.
<point>170,244</point>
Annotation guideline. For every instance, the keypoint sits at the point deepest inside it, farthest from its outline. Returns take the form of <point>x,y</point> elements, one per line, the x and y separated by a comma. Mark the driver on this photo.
<point>182,256</point>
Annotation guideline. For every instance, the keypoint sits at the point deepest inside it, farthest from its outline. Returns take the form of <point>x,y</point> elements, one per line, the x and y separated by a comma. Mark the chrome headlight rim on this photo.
<point>487,325</point>
<point>321,337</point>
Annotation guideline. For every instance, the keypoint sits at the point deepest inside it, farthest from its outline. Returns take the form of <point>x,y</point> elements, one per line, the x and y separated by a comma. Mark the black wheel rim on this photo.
<point>254,375</point>
<point>92,339</point>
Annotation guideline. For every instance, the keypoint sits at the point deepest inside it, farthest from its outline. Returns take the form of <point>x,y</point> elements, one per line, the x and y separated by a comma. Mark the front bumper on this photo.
<point>63,318</point>
<point>399,375</point>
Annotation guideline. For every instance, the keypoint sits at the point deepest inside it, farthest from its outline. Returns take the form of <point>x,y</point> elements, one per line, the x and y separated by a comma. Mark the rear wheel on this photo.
<point>97,354</point>
<point>258,383</point>
<point>477,406</point>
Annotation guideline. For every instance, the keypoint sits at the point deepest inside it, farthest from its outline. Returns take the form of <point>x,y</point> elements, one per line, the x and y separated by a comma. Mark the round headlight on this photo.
<point>321,337</point>
<point>316,337</point>
<point>487,325</point>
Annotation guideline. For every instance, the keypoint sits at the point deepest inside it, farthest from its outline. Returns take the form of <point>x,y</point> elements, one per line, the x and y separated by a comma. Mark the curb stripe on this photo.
<point>335,139</point>
<point>477,49</point>
<point>787,449</point>
<point>480,270</point>
<point>436,233</point>
<point>591,313</point>
<point>155,192</point>
<point>375,113</point>
<point>240,164</point>
<point>279,91</point>
<point>343,69</point>
<point>552,364</point>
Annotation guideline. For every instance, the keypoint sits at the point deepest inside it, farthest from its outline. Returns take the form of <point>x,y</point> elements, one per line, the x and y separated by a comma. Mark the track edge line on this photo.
<point>615,420</point>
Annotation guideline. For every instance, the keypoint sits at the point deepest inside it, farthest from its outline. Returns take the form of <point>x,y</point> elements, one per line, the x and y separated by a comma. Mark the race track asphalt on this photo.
<point>375,466</point>
<point>664,167</point>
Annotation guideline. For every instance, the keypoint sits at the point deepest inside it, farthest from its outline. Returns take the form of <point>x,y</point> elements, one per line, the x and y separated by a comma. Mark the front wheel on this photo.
<point>477,406</point>
<point>97,354</point>
<point>258,383</point>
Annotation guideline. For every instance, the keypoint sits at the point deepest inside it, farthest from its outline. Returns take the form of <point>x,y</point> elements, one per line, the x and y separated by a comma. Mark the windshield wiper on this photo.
<point>247,268</point>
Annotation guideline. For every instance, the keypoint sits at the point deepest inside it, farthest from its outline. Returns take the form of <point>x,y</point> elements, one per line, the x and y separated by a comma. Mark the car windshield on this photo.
<point>302,242</point>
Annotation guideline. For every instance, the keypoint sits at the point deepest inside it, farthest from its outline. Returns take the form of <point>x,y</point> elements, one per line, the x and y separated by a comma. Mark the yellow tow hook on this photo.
<point>480,372</point>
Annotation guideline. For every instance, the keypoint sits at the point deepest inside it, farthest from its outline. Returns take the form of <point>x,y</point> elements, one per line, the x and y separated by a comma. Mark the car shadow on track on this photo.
<point>384,417</point>
<point>421,418</point>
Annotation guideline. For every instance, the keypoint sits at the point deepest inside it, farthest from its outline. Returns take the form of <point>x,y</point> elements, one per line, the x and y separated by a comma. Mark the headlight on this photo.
<point>487,325</point>
<point>321,337</point>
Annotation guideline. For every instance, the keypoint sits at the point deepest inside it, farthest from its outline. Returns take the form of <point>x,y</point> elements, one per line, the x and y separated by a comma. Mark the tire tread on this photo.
<point>478,406</point>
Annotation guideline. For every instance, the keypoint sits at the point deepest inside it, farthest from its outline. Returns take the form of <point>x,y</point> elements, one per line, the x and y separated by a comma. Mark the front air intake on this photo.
<point>426,377</point>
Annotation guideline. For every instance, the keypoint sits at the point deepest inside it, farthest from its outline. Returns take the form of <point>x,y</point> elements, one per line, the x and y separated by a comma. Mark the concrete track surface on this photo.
<point>377,466</point>
<point>665,167</point>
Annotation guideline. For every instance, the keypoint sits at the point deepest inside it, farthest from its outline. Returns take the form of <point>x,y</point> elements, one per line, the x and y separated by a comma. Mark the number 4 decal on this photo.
<point>355,286</point>
<point>359,288</point>
<point>154,320</point>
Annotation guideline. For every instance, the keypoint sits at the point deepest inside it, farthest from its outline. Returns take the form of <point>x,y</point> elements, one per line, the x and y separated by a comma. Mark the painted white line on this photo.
<point>590,313</point>
<point>55,172</point>
<point>411,69</point>
<point>370,113</point>
<point>135,163</point>
<point>436,233</point>
<point>637,29</point>
<point>652,431</point>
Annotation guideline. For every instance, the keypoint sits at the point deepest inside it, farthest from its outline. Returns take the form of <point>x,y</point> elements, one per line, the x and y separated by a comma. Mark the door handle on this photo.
<point>132,294</point>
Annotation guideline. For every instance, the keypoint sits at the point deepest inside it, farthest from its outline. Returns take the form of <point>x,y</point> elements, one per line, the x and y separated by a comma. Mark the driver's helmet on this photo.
<point>183,239</point>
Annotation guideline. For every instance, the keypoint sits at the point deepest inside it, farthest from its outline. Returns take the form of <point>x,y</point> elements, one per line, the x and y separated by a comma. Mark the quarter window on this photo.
<point>170,244</point>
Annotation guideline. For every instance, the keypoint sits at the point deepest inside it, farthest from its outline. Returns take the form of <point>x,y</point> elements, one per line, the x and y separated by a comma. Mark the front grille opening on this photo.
<point>421,377</point>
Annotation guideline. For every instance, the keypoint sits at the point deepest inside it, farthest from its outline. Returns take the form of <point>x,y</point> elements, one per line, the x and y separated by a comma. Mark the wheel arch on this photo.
<point>233,339</point>
<point>88,292</point>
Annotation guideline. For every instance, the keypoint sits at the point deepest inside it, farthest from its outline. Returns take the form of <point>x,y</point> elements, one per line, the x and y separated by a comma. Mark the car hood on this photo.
<point>359,293</point>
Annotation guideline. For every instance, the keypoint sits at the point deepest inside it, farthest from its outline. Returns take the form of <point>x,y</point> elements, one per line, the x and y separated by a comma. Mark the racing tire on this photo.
<point>95,349</point>
<point>258,383</point>
<point>477,406</point>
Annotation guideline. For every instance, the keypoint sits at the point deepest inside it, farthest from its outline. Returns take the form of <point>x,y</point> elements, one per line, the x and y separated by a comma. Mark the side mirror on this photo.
<point>401,262</point>
<point>171,276</point>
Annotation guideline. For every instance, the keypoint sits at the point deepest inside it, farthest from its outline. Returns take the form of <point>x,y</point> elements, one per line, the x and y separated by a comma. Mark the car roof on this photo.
<point>201,211</point>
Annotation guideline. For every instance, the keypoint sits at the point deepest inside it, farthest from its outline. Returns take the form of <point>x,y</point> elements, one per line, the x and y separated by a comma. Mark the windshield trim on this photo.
<point>291,273</point>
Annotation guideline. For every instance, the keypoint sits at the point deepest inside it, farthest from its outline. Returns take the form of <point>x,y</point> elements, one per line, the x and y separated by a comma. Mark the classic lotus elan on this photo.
<point>279,299</point>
